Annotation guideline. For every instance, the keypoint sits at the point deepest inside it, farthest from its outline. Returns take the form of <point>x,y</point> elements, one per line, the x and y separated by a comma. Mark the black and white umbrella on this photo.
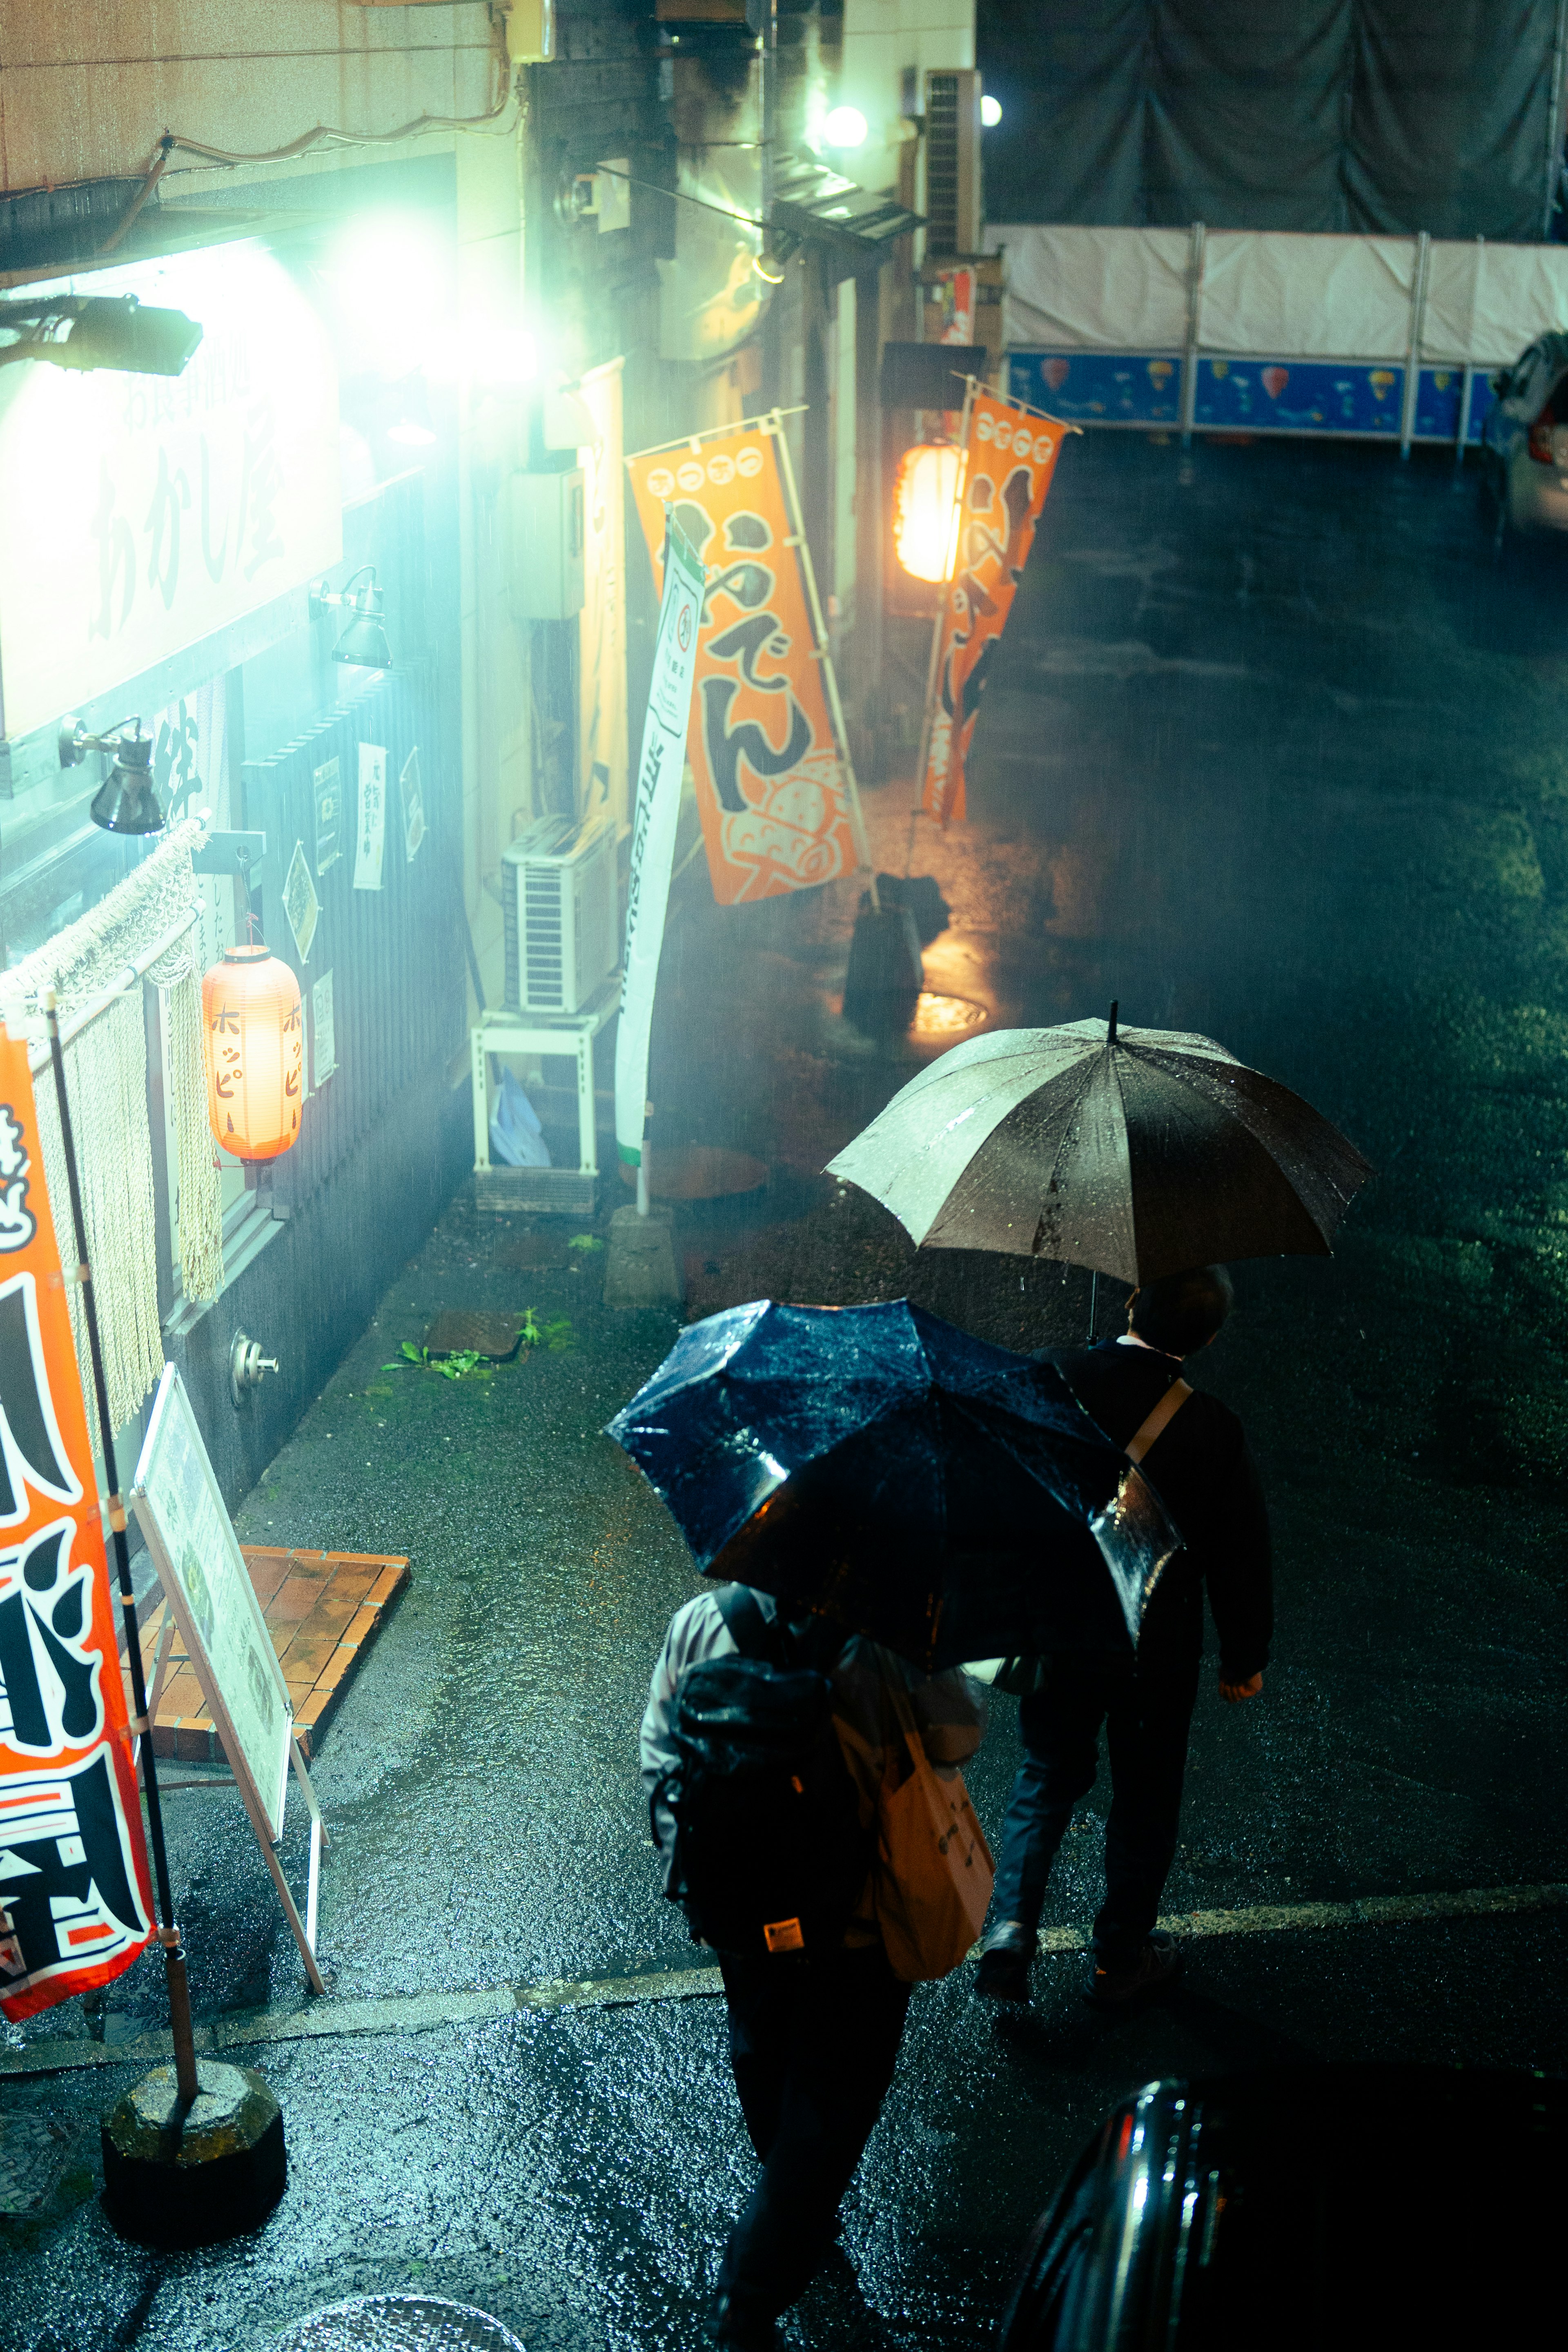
<point>1136,1151</point>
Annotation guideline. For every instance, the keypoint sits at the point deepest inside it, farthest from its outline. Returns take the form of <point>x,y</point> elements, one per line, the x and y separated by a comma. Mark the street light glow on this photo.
<point>990,111</point>
<point>846,127</point>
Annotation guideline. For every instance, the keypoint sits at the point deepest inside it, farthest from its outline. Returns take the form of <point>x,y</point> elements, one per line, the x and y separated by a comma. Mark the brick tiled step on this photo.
<point>323,1609</point>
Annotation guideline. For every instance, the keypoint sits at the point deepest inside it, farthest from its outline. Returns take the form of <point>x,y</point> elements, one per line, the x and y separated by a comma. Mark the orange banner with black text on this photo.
<point>76,1904</point>
<point>770,785</point>
<point>1010,455</point>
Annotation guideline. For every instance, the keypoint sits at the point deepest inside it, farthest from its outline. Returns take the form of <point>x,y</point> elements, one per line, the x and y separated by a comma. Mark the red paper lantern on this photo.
<point>926,508</point>
<point>254,1031</point>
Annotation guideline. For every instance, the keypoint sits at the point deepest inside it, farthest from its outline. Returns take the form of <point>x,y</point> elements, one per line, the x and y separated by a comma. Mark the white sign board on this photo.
<point>207,1585</point>
<point>140,513</point>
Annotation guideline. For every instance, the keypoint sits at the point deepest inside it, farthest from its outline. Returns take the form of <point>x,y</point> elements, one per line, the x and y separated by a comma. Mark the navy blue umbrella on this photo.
<point>880,1466</point>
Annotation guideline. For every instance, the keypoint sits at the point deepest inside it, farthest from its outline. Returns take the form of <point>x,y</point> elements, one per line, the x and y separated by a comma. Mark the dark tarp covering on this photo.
<point>1392,115</point>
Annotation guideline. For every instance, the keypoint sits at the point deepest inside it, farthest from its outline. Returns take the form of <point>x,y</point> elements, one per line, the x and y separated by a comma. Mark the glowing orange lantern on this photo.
<point>254,1033</point>
<point>926,508</point>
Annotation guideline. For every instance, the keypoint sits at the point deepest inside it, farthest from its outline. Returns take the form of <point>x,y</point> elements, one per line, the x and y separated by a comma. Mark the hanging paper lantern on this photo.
<point>254,1034</point>
<point>925,509</point>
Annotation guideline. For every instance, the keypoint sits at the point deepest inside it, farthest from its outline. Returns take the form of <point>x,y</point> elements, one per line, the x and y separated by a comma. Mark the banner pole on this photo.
<point>186,2084</point>
<point>927,717</point>
<point>824,653</point>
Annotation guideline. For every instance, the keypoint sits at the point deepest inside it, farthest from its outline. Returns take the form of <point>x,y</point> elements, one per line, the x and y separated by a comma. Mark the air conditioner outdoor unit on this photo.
<point>560,905</point>
<point>953,200</point>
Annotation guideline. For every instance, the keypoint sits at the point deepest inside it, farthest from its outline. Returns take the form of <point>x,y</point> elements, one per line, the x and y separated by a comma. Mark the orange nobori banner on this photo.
<point>1009,457</point>
<point>771,784</point>
<point>76,1904</point>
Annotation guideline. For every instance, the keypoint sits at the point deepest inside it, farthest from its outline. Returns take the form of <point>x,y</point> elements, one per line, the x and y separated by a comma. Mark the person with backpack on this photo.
<point>803,1794</point>
<point>1195,1456</point>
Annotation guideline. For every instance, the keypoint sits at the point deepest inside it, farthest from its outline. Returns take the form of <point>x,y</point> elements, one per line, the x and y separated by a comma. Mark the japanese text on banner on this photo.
<point>76,1904</point>
<point>1009,459</point>
<point>654,820</point>
<point>770,782</point>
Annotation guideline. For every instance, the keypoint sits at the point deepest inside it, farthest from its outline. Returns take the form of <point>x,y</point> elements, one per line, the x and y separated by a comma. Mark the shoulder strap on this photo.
<point>748,1629</point>
<point>1157,1421</point>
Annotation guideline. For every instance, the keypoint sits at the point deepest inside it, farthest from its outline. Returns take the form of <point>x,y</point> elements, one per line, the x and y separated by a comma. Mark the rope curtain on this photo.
<point>106,1077</point>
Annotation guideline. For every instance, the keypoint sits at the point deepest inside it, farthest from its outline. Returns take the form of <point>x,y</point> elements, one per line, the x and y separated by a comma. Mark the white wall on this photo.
<point>881,37</point>
<point>88,86</point>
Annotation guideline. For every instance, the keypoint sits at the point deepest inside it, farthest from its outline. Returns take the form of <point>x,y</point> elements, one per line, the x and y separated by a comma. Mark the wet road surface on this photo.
<point>1273,753</point>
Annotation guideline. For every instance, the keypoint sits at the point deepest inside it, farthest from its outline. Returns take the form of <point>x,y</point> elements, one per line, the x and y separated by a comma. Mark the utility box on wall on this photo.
<point>547,543</point>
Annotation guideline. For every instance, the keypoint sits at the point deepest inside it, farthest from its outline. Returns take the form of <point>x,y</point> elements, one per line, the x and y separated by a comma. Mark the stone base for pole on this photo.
<point>642,1267</point>
<point>170,2180</point>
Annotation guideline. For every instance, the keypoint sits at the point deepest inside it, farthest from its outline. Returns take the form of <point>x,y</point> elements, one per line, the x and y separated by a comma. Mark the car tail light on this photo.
<point>1540,440</point>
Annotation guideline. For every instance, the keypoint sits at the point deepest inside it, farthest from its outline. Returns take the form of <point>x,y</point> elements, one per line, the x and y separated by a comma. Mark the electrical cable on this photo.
<point>329,133</point>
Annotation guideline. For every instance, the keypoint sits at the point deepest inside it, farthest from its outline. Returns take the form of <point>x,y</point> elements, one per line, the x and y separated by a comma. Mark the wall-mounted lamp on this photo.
<point>126,800</point>
<point>81,330</point>
<point>845,126</point>
<point>364,643</point>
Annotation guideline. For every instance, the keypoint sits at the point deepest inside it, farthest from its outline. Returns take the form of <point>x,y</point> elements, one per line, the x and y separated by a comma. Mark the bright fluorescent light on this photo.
<point>410,435</point>
<point>846,127</point>
<point>990,111</point>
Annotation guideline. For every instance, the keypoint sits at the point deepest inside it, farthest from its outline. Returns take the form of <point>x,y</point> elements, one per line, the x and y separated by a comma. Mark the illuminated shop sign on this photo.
<point>138,514</point>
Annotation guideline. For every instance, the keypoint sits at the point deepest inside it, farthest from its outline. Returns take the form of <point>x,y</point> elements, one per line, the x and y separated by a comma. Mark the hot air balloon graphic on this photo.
<point>1221,368</point>
<point>1274,381</point>
<point>1382,382</point>
<point>1056,373</point>
<point>1159,371</point>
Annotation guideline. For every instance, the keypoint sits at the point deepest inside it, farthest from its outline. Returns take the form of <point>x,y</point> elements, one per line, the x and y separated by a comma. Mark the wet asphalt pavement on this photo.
<point>1272,752</point>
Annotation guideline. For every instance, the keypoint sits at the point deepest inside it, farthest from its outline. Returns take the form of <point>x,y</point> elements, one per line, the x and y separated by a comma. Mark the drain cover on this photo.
<point>400,2323</point>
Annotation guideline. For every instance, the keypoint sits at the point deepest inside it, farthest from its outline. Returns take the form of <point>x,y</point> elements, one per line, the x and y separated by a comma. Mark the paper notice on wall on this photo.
<point>371,836</point>
<point>653,831</point>
<point>300,903</point>
<point>329,798</point>
<point>413,805</point>
<point>323,1036</point>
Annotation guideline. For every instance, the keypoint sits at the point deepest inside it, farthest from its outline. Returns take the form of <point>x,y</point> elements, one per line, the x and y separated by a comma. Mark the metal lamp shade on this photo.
<point>363,643</point>
<point>253,1033</point>
<point>126,800</point>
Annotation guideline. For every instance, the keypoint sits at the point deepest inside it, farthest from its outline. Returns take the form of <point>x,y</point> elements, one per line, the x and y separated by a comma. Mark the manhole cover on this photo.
<point>456,1331</point>
<point>400,2323</point>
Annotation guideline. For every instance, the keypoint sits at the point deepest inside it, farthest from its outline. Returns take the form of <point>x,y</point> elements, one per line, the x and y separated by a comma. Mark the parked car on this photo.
<point>1307,2209</point>
<point>1524,441</point>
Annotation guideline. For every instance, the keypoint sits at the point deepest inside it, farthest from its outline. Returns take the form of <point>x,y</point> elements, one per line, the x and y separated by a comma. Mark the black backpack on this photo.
<point>770,1856</point>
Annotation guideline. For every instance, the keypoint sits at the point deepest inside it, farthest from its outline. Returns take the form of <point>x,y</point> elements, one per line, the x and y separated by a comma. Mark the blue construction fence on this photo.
<point>1342,397</point>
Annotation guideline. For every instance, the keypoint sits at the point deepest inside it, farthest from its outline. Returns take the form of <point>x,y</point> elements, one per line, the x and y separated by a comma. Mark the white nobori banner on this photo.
<point>654,822</point>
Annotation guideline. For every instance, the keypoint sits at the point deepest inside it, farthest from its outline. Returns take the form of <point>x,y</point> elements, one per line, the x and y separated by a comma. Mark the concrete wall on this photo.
<point>87,87</point>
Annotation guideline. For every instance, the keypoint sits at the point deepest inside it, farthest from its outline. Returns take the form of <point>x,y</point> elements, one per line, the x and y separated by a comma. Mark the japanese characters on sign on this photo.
<point>75,1898</point>
<point>770,780</point>
<point>654,822</point>
<point>602,623</point>
<point>371,840</point>
<point>324,1031</point>
<point>1009,458</point>
<point>328,802</point>
<point>139,513</point>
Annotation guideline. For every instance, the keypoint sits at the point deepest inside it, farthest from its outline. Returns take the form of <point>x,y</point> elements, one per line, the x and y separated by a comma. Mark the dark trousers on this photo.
<point>1146,1710</point>
<point>812,2044</point>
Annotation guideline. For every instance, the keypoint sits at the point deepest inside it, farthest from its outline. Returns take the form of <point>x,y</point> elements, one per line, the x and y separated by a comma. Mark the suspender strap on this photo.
<point>748,1629</point>
<point>1160,1419</point>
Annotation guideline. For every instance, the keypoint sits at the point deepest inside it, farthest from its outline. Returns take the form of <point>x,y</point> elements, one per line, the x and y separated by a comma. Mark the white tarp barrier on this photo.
<point>1089,288</point>
<point>1331,298</point>
<point>1274,294</point>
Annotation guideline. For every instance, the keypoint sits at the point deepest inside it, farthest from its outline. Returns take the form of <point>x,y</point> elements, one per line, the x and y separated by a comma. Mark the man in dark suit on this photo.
<point>1194,1454</point>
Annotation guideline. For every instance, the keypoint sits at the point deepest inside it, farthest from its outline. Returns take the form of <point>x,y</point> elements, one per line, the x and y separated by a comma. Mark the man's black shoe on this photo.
<point>743,2330</point>
<point>1003,1970</point>
<point>1115,1988</point>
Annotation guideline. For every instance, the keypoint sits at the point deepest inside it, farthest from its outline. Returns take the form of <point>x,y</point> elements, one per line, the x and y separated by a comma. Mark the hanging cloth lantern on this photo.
<point>253,1033</point>
<point>926,510</point>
